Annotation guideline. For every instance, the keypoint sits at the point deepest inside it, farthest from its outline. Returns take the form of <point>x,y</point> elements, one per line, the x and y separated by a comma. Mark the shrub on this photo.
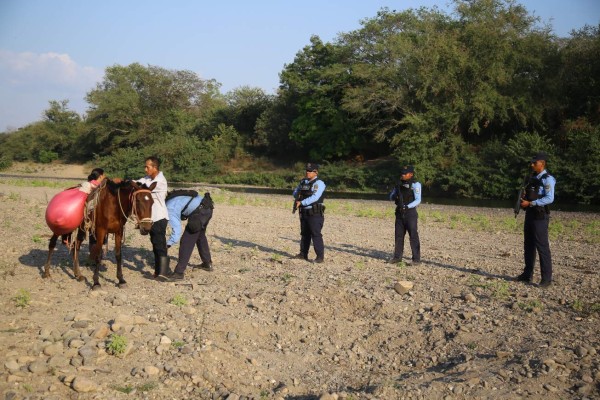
<point>117,344</point>
<point>47,156</point>
<point>5,163</point>
<point>179,300</point>
<point>23,298</point>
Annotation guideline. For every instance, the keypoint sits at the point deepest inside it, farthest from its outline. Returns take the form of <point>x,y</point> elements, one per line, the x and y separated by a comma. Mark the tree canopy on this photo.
<point>466,97</point>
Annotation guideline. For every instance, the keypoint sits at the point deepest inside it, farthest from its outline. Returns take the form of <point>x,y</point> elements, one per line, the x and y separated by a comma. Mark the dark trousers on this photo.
<point>535,232</point>
<point>407,222</point>
<point>186,247</point>
<point>158,238</point>
<point>310,230</point>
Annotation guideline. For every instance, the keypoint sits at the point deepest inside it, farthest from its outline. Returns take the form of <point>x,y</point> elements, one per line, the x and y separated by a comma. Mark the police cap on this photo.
<point>407,169</point>
<point>541,156</point>
<point>312,167</point>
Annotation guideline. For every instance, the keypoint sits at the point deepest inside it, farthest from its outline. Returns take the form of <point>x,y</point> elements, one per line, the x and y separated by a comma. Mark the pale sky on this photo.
<point>59,49</point>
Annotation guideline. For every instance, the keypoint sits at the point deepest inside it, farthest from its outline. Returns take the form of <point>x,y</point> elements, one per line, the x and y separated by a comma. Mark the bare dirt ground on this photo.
<point>265,326</point>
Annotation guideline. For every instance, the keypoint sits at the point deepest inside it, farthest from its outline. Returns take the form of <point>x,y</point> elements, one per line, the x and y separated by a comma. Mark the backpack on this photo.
<point>182,192</point>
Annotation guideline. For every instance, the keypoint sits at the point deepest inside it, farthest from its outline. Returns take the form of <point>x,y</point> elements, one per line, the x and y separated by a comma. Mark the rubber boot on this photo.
<point>161,267</point>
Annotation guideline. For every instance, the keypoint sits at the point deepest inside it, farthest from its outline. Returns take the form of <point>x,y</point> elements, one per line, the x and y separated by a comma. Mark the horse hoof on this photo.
<point>96,286</point>
<point>122,285</point>
<point>80,278</point>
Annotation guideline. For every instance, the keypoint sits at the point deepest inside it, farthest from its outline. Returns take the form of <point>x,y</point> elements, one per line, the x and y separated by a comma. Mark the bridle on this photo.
<point>134,209</point>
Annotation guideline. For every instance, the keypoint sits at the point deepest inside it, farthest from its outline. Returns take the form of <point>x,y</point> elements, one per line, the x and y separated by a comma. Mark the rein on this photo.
<point>132,196</point>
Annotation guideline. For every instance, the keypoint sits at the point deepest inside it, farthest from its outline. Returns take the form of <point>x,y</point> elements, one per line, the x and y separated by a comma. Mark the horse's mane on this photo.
<point>115,186</point>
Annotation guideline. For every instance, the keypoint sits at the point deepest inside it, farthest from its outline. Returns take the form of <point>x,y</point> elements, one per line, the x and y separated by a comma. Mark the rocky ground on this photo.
<point>265,326</point>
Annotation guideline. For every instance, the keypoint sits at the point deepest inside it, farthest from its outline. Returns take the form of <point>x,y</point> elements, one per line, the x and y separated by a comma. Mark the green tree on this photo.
<point>52,138</point>
<point>580,69</point>
<point>245,105</point>
<point>136,105</point>
<point>314,83</point>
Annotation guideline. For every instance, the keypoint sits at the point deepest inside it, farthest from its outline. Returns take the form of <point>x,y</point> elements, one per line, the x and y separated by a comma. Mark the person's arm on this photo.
<point>320,188</point>
<point>175,221</point>
<point>416,187</point>
<point>295,192</point>
<point>393,193</point>
<point>548,197</point>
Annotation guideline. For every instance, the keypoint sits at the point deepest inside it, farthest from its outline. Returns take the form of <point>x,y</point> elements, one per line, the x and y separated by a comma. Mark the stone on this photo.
<point>581,351</point>
<point>403,287</point>
<point>12,365</point>
<point>584,389</point>
<point>469,297</point>
<point>58,361</point>
<point>165,340</point>
<point>83,385</point>
<point>80,324</point>
<point>101,332</point>
<point>188,310</point>
<point>76,343</point>
<point>151,370</point>
<point>38,367</point>
<point>53,349</point>
<point>550,388</point>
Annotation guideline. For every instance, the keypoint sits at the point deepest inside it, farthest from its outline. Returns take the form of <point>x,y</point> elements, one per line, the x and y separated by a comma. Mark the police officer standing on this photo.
<point>198,212</point>
<point>160,216</point>
<point>539,193</point>
<point>407,196</point>
<point>308,197</point>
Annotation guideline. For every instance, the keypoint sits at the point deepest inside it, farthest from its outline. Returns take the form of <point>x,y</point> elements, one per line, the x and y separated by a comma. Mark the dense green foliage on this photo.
<point>467,98</point>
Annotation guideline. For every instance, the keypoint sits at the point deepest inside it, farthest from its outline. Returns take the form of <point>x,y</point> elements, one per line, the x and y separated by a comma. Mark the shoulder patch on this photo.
<point>316,187</point>
<point>417,190</point>
<point>547,187</point>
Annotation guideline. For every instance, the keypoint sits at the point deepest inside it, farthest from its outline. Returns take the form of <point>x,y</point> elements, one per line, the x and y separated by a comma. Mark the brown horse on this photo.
<point>116,203</point>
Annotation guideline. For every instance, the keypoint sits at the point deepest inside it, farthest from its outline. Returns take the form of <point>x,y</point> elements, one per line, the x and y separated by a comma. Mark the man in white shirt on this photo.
<point>160,215</point>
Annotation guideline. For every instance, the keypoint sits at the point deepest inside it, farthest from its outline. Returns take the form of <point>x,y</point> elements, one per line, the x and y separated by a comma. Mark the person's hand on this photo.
<point>525,204</point>
<point>298,203</point>
<point>117,180</point>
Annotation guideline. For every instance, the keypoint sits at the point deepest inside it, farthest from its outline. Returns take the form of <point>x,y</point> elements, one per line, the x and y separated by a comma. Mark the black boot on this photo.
<point>161,267</point>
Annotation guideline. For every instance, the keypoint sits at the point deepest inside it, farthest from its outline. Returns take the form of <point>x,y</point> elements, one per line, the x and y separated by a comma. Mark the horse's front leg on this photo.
<point>118,239</point>
<point>76,248</point>
<point>97,256</point>
<point>51,247</point>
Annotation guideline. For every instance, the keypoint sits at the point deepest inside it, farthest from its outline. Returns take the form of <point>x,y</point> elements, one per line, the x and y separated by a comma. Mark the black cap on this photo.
<point>541,156</point>
<point>406,169</point>
<point>312,167</point>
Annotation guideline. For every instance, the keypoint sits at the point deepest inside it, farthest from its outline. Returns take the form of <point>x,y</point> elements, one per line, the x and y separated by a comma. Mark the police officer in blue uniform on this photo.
<point>538,195</point>
<point>407,196</point>
<point>308,197</point>
<point>198,211</point>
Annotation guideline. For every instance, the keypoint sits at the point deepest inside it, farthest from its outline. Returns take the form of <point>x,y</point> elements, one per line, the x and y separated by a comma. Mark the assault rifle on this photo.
<point>296,198</point>
<point>521,195</point>
<point>399,200</point>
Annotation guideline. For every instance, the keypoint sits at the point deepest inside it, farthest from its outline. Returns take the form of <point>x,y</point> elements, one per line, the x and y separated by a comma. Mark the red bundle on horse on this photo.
<point>115,204</point>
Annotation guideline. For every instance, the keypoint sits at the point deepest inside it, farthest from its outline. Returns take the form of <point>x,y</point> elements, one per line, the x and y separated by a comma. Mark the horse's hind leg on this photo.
<point>76,248</point>
<point>118,237</point>
<point>97,256</point>
<point>51,247</point>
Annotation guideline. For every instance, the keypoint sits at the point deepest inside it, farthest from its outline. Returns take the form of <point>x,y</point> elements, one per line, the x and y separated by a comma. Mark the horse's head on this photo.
<point>142,205</point>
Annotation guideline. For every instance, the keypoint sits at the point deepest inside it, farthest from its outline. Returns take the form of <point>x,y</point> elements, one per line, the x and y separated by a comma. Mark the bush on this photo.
<point>46,156</point>
<point>117,344</point>
<point>23,298</point>
<point>5,163</point>
<point>179,300</point>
